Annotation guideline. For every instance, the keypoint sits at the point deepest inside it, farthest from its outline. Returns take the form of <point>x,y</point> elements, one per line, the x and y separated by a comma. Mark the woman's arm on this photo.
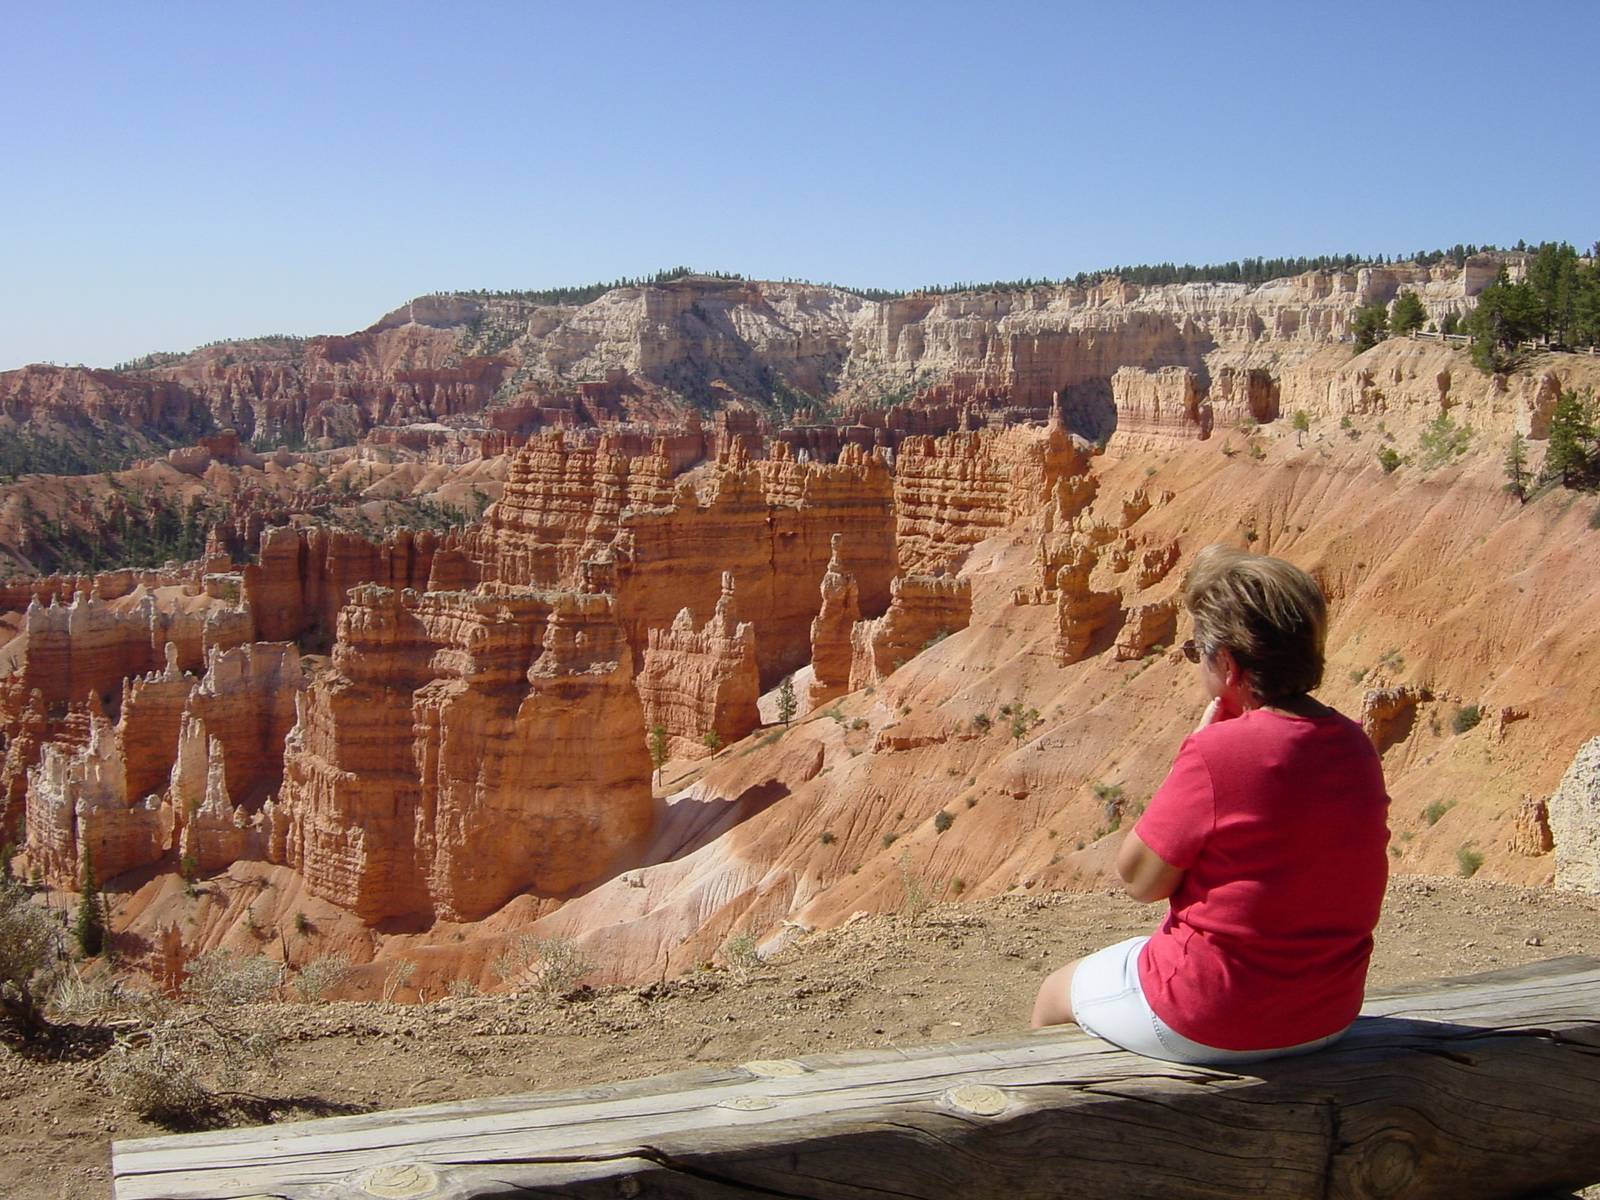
<point>1146,873</point>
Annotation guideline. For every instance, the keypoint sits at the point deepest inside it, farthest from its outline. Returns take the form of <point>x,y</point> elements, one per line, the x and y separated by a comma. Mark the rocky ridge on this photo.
<point>358,712</point>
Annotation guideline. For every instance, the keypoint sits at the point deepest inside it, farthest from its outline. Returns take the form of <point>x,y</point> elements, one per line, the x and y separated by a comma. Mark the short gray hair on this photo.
<point>1269,613</point>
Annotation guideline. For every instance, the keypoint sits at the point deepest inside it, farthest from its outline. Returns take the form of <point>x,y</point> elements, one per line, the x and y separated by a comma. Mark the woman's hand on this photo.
<point>1215,711</point>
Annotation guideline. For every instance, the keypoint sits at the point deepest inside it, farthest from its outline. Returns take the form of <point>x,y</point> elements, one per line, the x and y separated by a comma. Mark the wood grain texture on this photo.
<point>1484,1086</point>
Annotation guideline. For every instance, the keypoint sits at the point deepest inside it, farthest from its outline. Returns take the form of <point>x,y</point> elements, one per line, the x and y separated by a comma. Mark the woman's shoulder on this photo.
<point>1319,724</point>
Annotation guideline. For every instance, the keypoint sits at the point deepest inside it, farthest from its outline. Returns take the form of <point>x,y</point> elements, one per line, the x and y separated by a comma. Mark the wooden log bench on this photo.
<point>1482,1086</point>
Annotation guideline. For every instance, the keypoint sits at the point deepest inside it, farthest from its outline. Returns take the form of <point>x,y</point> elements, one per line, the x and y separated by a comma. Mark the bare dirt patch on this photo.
<point>957,971</point>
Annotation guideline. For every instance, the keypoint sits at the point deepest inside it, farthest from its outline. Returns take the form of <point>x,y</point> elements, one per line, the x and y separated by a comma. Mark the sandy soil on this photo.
<point>956,971</point>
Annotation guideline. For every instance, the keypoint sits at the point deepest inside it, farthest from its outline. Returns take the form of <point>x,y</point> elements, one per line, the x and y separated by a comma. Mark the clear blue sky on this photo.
<point>179,173</point>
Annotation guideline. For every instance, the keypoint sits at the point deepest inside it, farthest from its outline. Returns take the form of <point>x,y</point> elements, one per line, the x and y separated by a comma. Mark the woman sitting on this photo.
<point>1268,837</point>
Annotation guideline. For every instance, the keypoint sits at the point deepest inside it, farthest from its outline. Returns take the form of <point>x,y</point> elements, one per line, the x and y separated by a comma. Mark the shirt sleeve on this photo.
<point>1180,816</point>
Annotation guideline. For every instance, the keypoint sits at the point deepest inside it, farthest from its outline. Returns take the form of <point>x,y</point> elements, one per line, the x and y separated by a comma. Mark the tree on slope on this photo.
<point>787,702</point>
<point>90,925</point>
<point>1506,316</point>
<point>1553,281</point>
<point>1371,326</point>
<point>1408,315</point>
<point>1516,463</point>
<point>1571,431</point>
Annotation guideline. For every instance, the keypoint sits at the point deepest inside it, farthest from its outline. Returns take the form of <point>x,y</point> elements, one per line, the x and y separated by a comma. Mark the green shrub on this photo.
<point>983,720</point>
<point>1468,861</point>
<point>1388,459</point>
<point>826,837</point>
<point>1437,809</point>
<point>740,953</point>
<point>90,925</point>
<point>713,739</point>
<point>1466,718</point>
<point>1442,442</point>
<point>319,977</point>
<point>1022,720</point>
<point>889,839</point>
<point>943,819</point>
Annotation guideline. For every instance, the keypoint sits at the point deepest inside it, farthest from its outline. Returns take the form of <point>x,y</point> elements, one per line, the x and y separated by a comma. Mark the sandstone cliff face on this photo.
<point>150,718</point>
<point>685,334</point>
<point>337,387</point>
<point>1388,714</point>
<point>90,646</point>
<point>73,395</point>
<point>1166,403</point>
<point>923,608</point>
<point>592,519</point>
<point>246,703</point>
<point>214,833</point>
<point>700,682</point>
<point>563,504</point>
<point>952,492</point>
<point>302,576</point>
<point>550,756</point>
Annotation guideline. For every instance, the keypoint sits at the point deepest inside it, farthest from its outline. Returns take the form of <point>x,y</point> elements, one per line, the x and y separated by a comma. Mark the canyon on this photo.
<point>955,527</point>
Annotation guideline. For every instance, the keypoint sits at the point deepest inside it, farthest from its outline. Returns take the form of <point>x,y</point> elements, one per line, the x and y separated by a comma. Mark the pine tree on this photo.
<point>1553,282</point>
<point>1408,314</point>
<point>786,701</point>
<point>1371,326</point>
<point>1571,429</point>
<point>1516,463</point>
<point>1507,315</point>
<point>90,926</point>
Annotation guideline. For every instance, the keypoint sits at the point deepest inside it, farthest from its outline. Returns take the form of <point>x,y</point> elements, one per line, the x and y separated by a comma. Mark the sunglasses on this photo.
<point>1191,651</point>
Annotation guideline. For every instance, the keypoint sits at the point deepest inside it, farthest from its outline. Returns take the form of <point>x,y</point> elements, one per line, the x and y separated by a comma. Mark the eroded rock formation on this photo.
<point>701,684</point>
<point>1388,714</point>
<point>78,803</point>
<point>1574,810</point>
<point>302,576</point>
<point>549,755</point>
<point>923,609</point>
<point>1146,627</point>
<point>1084,617</point>
<point>581,517</point>
<point>952,492</point>
<point>1167,402</point>
<point>831,652</point>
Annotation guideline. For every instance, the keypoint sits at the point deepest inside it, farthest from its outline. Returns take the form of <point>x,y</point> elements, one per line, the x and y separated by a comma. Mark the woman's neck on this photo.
<point>1302,705</point>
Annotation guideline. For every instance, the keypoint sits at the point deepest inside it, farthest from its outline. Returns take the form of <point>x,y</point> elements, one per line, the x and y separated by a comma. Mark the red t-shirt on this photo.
<point>1280,827</point>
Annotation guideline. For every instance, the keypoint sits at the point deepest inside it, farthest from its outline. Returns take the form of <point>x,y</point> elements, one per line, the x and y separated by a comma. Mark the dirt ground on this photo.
<point>956,971</point>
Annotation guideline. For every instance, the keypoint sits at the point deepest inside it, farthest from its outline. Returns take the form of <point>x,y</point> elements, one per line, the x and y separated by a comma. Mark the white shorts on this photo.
<point>1108,1002</point>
